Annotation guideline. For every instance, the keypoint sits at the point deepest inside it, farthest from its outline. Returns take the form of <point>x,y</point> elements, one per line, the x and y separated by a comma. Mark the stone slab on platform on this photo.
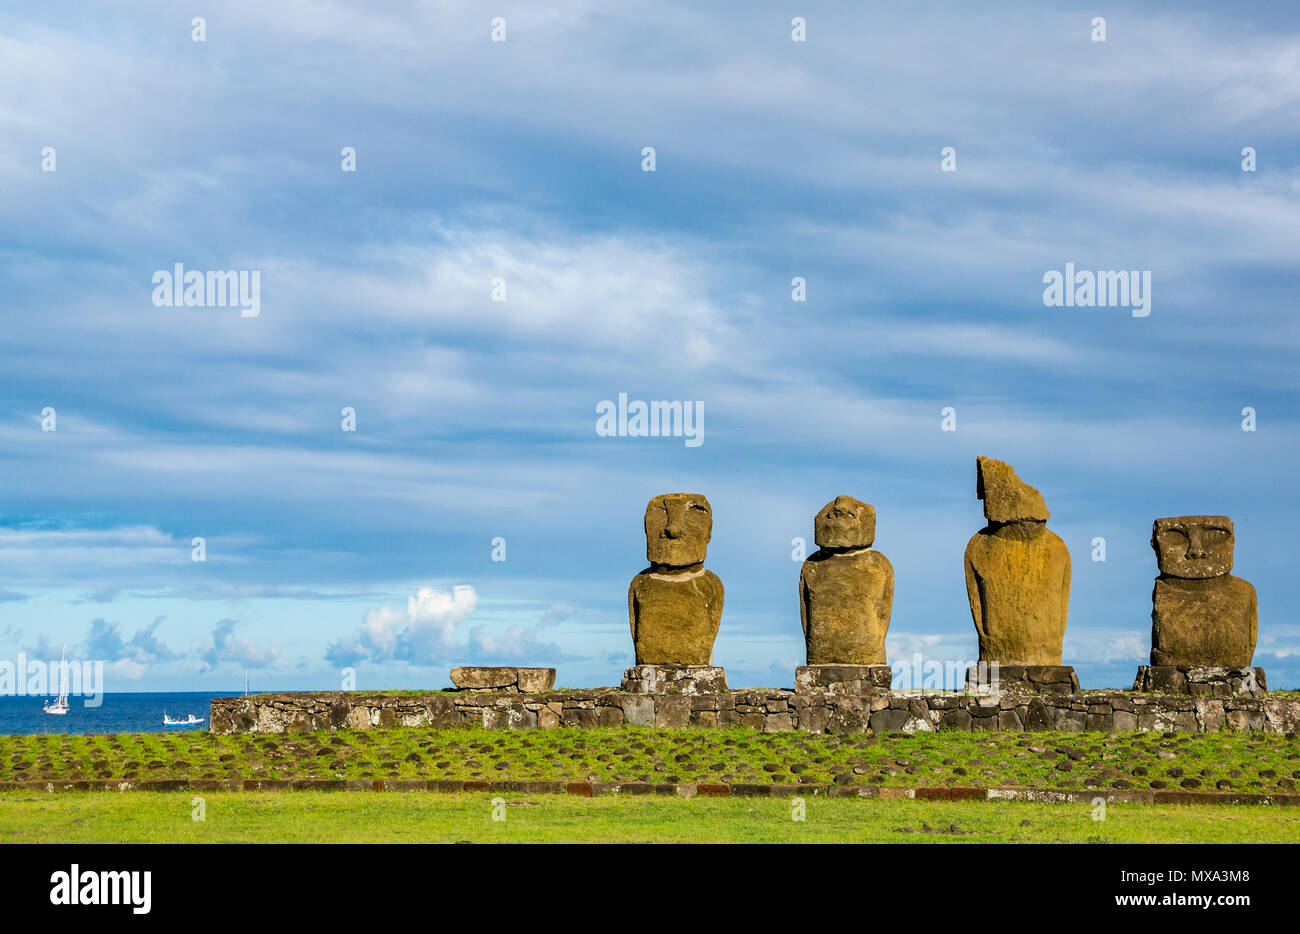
<point>675,679</point>
<point>521,680</point>
<point>987,678</point>
<point>850,680</point>
<point>1202,681</point>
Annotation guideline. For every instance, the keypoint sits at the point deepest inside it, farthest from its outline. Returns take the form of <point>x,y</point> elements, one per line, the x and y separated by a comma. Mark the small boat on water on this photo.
<point>189,720</point>
<point>60,706</point>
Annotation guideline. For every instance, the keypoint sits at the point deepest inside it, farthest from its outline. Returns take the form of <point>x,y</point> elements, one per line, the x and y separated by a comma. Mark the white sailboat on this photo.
<point>60,706</point>
<point>189,720</point>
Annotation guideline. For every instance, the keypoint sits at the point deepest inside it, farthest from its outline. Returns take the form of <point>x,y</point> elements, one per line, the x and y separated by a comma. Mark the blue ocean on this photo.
<point>119,713</point>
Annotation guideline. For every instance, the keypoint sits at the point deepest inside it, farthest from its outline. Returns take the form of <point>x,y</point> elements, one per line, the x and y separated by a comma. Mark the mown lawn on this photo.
<point>424,817</point>
<point>1249,762</point>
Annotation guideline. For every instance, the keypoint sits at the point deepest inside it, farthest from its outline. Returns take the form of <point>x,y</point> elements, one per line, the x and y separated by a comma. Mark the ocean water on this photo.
<point>119,713</point>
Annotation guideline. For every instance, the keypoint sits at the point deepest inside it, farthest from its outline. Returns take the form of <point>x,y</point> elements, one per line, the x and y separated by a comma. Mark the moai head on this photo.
<point>677,529</point>
<point>1006,497</point>
<point>1193,547</point>
<point>845,522</point>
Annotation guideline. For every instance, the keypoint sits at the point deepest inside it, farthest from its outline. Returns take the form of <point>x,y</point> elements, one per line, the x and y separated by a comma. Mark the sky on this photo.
<point>515,169</point>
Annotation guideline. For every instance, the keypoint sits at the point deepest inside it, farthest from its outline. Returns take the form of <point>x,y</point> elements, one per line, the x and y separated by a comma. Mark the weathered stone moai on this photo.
<point>1018,584</point>
<point>846,594</point>
<point>1204,621</point>
<point>675,605</point>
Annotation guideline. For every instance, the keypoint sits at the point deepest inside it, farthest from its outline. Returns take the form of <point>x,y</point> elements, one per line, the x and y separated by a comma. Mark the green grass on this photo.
<point>1250,762</point>
<point>420,817</point>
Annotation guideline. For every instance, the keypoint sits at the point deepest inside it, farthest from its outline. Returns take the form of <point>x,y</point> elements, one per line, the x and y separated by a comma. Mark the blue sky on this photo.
<point>476,419</point>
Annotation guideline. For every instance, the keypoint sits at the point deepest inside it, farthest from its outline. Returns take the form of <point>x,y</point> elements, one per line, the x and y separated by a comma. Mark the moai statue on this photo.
<point>675,605</point>
<point>846,588</point>
<point>1017,573</point>
<point>1201,616</point>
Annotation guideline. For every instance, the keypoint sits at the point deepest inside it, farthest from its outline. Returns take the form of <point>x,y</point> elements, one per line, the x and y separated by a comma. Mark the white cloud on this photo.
<point>1280,640</point>
<point>225,647</point>
<point>423,634</point>
<point>1107,646</point>
<point>515,644</point>
<point>905,647</point>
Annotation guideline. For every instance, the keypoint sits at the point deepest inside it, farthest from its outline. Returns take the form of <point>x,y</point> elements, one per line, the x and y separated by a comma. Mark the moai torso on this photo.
<point>675,618</point>
<point>675,605</point>
<point>1017,573</point>
<point>1200,614</point>
<point>846,589</point>
<point>847,599</point>
<point>1018,584</point>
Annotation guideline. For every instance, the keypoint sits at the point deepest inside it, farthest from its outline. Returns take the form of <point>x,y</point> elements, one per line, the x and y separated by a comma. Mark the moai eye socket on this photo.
<point>1216,536</point>
<point>1172,538</point>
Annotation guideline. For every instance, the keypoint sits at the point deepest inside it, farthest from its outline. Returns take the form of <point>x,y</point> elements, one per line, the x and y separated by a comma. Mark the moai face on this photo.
<point>678,527</point>
<point>1193,547</point>
<point>1006,497</point>
<point>845,522</point>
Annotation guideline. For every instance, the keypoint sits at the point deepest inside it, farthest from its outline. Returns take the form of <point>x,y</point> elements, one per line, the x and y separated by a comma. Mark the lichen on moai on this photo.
<point>1200,614</point>
<point>846,588</point>
<point>675,605</point>
<point>1017,572</point>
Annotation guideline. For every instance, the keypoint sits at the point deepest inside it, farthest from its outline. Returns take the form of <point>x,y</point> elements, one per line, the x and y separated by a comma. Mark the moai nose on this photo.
<point>676,526</point>
<point>1194,547</point>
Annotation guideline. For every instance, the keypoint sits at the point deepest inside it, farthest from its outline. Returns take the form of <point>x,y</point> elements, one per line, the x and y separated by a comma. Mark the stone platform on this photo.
<point>766,710</point>
<point>674,679</point>
<point>1203,681</point>
<point>855,680</point>
<point>987,678</point>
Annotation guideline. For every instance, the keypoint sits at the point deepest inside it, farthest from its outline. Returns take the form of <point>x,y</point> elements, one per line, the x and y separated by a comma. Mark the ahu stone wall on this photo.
<point>764,710</point>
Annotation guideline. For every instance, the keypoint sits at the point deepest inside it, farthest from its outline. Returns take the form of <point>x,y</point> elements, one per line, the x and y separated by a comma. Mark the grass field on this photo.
<point>337,817</point>
<point>1249,762</point>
